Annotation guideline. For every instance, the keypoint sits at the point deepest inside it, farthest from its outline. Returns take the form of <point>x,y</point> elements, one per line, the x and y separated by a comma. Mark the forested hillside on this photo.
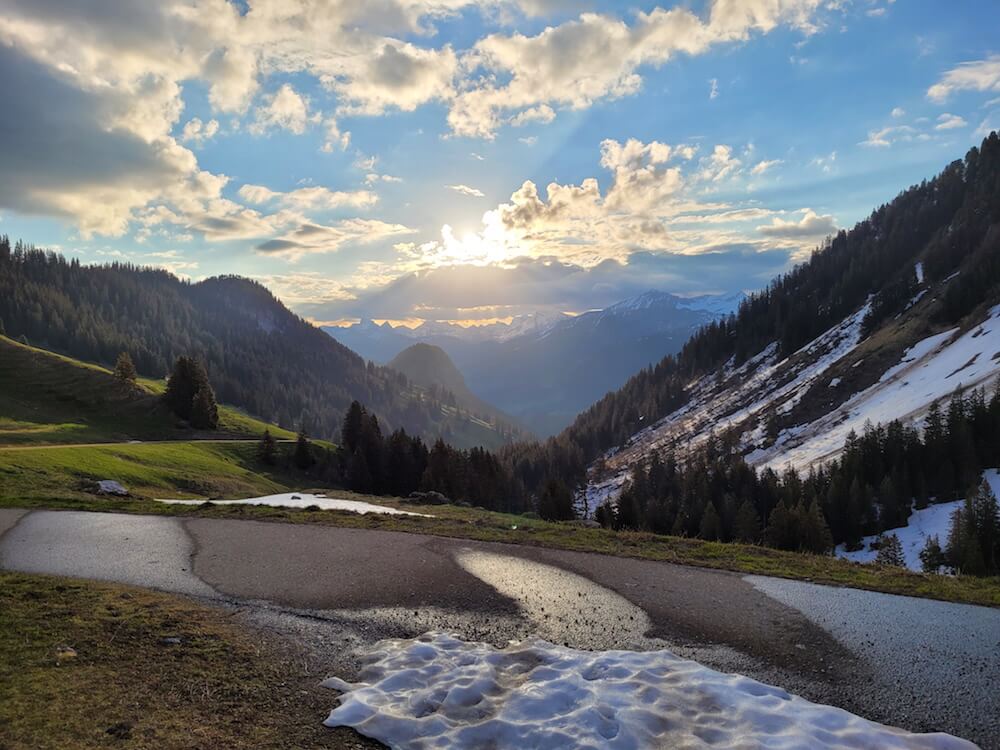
<point>259,355</point>
<point>948,222</point>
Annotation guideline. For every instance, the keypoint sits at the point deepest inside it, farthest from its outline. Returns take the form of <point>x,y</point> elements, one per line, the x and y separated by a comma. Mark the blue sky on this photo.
<point>464,160</point>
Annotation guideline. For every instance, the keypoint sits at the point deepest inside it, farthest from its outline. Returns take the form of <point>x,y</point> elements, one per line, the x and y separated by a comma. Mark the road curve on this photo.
<point>342,589</point>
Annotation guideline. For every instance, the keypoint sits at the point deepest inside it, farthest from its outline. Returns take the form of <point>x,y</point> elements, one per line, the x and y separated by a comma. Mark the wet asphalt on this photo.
<point>918,664</point>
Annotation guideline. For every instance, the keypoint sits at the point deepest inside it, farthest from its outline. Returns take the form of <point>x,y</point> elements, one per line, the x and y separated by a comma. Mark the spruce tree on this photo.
<point>267,449</point>
<point>187,378</point>
<point>747,524</point>
<point>931,556</point>
<point>303,457</point>
<point>125,369</point>
<point>890,552</point>
<point>204,410</point>
<point>555,502</point>
<point>711,526</point>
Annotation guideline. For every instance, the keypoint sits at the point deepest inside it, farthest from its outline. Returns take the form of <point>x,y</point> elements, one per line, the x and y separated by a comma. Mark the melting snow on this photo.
<point>930,370</point>
<point>934,520</point>
<point>305,500</point>
<point>440,692</point>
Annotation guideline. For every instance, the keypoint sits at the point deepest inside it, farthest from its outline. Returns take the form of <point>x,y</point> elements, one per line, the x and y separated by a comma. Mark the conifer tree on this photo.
<point>303,457</point>
<point>125,368</point>
<point>267,449</point>
<point>204,410</point>
<point>555,502</point>
<point>711,526</point>
<point>932,558</point>
<point>747,524</point>
<point>890,552</point>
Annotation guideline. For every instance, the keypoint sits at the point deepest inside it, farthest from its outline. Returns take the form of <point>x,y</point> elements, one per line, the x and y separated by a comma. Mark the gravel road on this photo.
<point>919,664</point>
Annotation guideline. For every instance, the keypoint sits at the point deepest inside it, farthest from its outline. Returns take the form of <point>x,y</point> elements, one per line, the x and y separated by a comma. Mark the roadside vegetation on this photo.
<point>171,674</point>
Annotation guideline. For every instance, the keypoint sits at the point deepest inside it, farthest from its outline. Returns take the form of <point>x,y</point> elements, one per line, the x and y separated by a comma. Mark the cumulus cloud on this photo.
<point>810,225</point>
<point>599,56</point>
<point>334,137</point>
<point>285,109</point>
<point>977,75</point>
<point>197,131</point>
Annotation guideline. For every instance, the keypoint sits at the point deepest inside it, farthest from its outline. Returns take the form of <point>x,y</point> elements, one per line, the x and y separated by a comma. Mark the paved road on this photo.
<point>339,590</point>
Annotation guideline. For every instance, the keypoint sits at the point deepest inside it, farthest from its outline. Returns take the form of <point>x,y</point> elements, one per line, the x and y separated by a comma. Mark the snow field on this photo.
<point>305,500</point>
<point>441,692</point>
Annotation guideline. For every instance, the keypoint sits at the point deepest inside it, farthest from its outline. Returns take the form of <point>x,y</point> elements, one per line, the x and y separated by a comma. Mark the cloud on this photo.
<point>898,112</point>
<point>70,153</point>
<point>198,132</point>
<point>948,121</point>
<point>713,92</point>
<point>285,109</point>
<point>526,285</point>
<point>306,198</point>
<point>885,137</point>
<point>597,57</point>
<point>543,114</point>
<point>333,137</point>
<point>763,166</point>
<point>309,238</point>
<point>810,225</point>
<point>978,75</point>
<point>530,140</point>
<point>466,190</point>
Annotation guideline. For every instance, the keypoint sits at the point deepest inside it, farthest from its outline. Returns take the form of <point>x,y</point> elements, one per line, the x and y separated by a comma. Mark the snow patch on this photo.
<point>305,500</point>
<point>919,270</point>
<point>929,371</point>
<point>439,691</point>
<point>934,520</point>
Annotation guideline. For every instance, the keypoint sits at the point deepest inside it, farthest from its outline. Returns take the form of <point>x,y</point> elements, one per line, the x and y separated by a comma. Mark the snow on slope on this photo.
<point>438,691</point>
<point>930,370</point>
<point>934,520</point>
<point>714,404</point>
<point>305,500</point>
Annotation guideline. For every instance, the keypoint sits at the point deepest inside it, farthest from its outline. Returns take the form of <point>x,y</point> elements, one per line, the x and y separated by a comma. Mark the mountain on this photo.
<point>430,367</point>
<point>883,321</point>
<point>543,370</point>
<point>259,355</point>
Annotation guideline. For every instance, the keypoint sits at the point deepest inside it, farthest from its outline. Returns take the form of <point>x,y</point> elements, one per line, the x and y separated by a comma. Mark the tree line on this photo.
<point>880,477</point>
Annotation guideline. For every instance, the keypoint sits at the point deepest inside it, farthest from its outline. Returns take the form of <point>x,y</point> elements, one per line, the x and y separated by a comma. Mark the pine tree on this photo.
<point>303,457</point>
<point>932,558</point>
<point>711,526</point>
<point>814,533</point>
<point>890,552</point>
<point>204,410</point>
<point>267,449</point>
<point>555,502</point>
<point>747,524</point>
<point>187,378</point>
<point>125,369</point>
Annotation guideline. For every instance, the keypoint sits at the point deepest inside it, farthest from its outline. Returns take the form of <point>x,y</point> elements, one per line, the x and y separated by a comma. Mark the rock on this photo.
<point>428,498</point>
<point>171,640</point>
<point>65,653</point>
<point>111,487</point>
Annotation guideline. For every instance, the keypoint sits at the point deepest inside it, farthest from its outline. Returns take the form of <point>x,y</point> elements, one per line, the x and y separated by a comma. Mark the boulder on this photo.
<point>111,487</point>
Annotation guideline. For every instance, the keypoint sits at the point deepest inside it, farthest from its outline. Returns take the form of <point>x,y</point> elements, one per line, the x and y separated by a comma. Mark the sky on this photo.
<point>472,160</point>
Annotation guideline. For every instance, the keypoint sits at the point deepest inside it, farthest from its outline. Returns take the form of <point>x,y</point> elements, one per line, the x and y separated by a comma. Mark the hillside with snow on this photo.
<point>796,411</point>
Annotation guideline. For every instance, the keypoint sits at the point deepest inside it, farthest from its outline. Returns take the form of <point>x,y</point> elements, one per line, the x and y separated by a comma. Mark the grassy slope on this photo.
<point>48,398</point>
<point>223,686</point>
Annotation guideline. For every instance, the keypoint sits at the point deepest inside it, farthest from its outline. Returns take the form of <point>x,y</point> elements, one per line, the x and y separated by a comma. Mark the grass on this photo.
<point>121,685</point>
<point>46,398</point>
<point>196,469</point>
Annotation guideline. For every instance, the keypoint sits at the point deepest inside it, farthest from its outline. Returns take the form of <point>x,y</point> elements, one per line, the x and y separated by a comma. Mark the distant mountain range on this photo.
<point>543,369</point>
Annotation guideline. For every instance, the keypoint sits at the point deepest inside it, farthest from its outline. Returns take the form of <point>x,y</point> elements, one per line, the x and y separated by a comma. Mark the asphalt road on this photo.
<point>339,590</point>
